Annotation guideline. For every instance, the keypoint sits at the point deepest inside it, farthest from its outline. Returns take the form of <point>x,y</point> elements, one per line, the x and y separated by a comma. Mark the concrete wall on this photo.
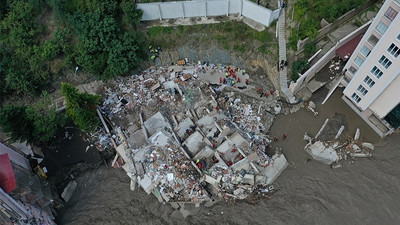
<point>314,69</point>
<point>197,8</point>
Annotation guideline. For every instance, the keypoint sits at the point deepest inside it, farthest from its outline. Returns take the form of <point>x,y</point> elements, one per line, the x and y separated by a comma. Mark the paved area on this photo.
<point>282,56</point>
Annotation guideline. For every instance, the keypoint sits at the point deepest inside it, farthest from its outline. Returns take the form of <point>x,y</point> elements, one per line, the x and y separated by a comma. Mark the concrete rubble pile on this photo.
<point>200,142</point>
<point>334,152</point>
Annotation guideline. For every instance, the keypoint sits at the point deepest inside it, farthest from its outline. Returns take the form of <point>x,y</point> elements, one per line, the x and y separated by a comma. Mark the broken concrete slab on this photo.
<point>160,138</point>
<point>156,123</point>
<point>275,168</point>
<point>69,190</point>
<point>206,152</point>
<point>147,184</point>
<point>253,156</point>
<point>248,179</point>
<point>121,151</point>
<point>322,153</point>
<point>207,121</point>
<point>241,165</point>
<point>239,140</point>
<point>137,139</point>
<point>183,126</point>
<point>211,181</point>
<point>194,143</point>
<point>261,180</point>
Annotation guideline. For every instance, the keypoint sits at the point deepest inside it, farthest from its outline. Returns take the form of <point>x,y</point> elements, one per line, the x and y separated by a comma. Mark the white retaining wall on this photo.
<point>198,8</point>
<point>314,69</point>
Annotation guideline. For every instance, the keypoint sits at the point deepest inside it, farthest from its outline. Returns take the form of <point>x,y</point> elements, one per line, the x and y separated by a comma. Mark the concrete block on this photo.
<point>248,179</point>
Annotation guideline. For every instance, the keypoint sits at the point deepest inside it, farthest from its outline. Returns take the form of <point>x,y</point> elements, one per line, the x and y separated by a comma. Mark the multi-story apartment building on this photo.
<point>372,73</point>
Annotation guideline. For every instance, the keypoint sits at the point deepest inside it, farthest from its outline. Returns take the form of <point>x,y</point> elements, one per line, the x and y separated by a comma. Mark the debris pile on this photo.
<point>333,152</point>
<point>204,138</point>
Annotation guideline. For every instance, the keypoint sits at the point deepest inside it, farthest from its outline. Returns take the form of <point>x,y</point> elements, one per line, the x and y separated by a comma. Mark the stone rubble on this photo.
<point>334,152</point>
<point>204,137</point>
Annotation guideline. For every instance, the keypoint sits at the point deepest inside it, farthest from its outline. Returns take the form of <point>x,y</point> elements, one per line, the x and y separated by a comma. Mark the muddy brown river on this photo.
<point>365,192</point>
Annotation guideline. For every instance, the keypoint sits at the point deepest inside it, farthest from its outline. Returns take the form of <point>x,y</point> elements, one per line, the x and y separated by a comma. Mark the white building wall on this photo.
<point>389,99</point>
<point>375,93</point>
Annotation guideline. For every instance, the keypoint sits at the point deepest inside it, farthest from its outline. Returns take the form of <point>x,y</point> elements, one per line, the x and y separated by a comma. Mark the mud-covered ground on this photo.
<point>365,192</point>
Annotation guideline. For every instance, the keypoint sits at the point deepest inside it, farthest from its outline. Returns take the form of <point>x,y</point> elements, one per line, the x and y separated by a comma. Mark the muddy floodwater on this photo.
<point>365,192</point>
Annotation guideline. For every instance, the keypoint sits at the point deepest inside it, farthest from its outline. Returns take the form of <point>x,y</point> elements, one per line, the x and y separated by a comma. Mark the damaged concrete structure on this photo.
<point>202,144</point>
<point>331,152</point>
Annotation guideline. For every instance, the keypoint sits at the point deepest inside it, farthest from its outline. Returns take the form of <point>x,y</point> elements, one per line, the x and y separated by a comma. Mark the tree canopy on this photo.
<point>309,13</point>
<point>31,123</point>
<point>81,107</point>
<point>100,36</point>
<point>108,45</point>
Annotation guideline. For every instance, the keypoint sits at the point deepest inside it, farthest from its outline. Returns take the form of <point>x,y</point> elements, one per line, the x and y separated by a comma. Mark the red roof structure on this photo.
<point>349,47</point>
<point>7,178</point>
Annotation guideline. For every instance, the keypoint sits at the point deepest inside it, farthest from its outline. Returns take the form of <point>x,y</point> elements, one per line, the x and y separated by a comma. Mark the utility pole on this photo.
<point>79,81</point>
<point>293,9</point>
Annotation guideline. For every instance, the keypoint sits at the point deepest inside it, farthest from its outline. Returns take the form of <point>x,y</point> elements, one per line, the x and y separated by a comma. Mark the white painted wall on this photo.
<point>198,8</point>
<point>389,99</point>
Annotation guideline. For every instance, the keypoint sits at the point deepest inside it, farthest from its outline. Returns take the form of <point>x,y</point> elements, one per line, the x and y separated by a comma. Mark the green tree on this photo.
<point>298,67</point>
<point>22,71</point>
<point>310,49</point>
<point>81,107</point>
<point>44,118</point>
<point>14,121</point>
<point>105,49</point>
<point>131,15</point>
<point>31,123</point>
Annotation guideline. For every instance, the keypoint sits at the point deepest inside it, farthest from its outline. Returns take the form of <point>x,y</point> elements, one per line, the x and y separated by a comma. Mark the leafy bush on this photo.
<point>293,39</point>
<point>298,67</point>
<point>310,49</point>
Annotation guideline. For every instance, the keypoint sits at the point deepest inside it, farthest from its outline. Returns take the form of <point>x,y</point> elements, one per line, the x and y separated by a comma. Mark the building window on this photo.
<point>398,37</point>
<point>358,61</point>
<point>385,62</point>
<point>356,98</point>
<point>352,69</point>
<point>376,72</point>
<point>373,40</point>
<point>369,81</point>
<point>381,28</point>
<point>394,50</point>
<point>362,90</point>
<point>365,51</point>
<point>391,13</point>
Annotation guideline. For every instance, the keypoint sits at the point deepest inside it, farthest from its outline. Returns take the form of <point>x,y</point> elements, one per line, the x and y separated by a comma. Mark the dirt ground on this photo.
<point>308,192</point>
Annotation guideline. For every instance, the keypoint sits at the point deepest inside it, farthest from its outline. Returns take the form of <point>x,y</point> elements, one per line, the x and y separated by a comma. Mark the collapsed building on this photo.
<point>204,139</point>
<point>336,150</point>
